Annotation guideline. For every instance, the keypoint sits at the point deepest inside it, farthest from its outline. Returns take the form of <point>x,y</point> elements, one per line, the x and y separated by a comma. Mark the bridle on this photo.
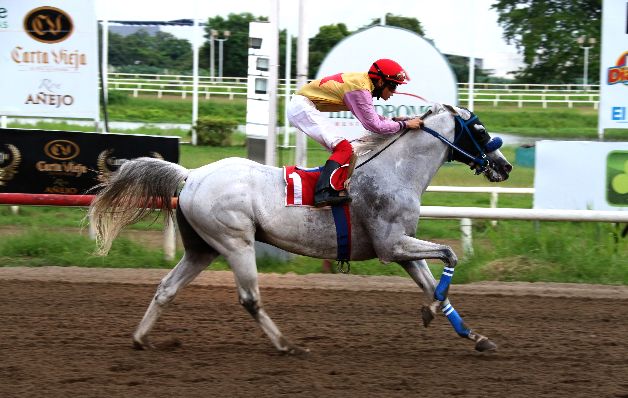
<point>479,162</point>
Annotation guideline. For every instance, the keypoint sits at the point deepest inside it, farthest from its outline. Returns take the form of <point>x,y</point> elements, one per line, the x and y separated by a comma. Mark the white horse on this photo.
<point>224,207</point>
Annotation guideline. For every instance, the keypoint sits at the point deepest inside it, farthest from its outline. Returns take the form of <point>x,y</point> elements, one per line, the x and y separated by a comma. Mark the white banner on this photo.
<point>49,59</point>
<point>581,175</point>
<point>431,77</point>
<point>613,111</point>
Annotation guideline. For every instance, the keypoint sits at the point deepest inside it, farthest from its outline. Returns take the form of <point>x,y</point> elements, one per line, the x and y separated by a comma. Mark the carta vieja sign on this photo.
<point>70,162</point>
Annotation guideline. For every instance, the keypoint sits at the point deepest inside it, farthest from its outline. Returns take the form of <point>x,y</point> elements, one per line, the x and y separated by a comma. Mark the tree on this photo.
<point>140,52</point>
<point>546,32</point>
<point>321,44</point>
<point>236,48</point>
<point>411,24</point>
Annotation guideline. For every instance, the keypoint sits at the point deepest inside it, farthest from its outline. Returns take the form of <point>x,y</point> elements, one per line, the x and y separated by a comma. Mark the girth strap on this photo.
<point>342,219</point>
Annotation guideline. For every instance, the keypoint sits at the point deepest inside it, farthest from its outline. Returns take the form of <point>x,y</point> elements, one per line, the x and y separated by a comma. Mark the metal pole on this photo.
<point>302,62</point>
<point>212,71</point>
<point>195,80</point>
<point>471,93</point>
<point>586,67</point>
<point>472,46</point>
<point>105,55</point>
<point>287,87</point>
<point>273,61</point>
<point>220,59</point>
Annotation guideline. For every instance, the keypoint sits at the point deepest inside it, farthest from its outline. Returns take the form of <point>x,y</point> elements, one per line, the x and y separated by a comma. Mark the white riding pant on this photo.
<point>302,114</point>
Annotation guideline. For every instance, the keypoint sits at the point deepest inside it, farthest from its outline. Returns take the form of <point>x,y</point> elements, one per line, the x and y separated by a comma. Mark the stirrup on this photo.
<point>330,198</point>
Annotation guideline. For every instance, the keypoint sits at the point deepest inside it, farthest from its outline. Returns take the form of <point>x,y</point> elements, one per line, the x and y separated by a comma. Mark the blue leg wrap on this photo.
<point>456,321</point>
<point>442,288</point>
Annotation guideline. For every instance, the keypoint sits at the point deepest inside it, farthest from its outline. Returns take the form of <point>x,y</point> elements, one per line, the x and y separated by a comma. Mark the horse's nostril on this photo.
<point>508,168</point>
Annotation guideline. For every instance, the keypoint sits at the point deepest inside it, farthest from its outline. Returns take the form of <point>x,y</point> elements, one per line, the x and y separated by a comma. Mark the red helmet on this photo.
<point>389,70</point>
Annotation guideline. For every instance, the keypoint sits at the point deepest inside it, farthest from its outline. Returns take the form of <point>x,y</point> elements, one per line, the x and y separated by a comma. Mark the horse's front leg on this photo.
<point>408,249</point>
<point>422,276</point>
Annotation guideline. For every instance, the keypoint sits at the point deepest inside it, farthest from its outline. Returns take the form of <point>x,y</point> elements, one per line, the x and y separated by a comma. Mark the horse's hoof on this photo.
<point>427,315</point>
<point>298,351</point>
<point>289,348</point>
<point>138,345</point>
<point>485,345</point>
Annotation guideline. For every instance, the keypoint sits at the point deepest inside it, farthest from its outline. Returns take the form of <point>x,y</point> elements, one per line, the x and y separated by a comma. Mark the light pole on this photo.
<point>214,36</point>
<point>582,41</point>
<point>211,56</point>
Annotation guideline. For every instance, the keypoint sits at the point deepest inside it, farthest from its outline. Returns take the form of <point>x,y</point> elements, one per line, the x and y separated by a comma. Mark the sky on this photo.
<point>459,27</point>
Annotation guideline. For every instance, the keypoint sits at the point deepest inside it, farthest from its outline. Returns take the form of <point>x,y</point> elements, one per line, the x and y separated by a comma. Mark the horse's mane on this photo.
<point>371,141</point>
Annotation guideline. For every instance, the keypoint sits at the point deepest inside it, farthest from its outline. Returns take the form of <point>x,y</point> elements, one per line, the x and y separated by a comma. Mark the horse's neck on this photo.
<point>413,161</point>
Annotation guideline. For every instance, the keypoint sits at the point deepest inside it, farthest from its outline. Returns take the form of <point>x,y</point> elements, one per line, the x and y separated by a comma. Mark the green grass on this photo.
<point>550,251</point>
<point>171,110</point>
<point>36,248</point>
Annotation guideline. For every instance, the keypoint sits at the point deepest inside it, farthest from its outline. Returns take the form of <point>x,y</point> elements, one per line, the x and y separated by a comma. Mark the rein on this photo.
<point>480,160</point>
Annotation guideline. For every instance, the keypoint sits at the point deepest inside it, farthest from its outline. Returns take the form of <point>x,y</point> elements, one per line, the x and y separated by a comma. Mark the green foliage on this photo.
<point>321,44</point>
<point>160,52</point>
<point>411,24</point>
<point>117,97</point>
<point>214,131</point>
<point>546,32</point>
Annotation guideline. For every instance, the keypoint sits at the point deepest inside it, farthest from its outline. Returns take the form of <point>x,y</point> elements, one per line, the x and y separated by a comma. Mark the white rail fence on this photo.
<point>231,87</point>
<point>466,214</point>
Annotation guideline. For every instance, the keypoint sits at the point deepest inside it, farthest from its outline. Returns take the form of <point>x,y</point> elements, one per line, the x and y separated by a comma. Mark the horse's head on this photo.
<point>474,146</point>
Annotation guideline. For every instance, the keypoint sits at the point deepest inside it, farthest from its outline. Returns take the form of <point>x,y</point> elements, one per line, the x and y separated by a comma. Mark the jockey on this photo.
<point>353,91</point>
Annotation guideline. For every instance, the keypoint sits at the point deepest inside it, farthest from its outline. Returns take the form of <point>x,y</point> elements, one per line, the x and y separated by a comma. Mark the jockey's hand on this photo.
<point>414,124</point>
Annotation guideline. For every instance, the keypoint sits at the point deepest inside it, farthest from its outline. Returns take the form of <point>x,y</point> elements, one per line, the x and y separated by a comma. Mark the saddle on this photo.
<point>300,183</point>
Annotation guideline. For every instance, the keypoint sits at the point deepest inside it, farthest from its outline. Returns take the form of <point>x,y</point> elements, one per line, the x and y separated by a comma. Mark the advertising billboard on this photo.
<point>581,175</point>
<point>71,162</point>
<point>613,110</point>
<point>49,59</point>
<point>431,77</point>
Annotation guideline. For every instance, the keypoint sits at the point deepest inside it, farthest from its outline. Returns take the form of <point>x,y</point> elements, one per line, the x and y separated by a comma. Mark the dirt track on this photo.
<point>66,332</point>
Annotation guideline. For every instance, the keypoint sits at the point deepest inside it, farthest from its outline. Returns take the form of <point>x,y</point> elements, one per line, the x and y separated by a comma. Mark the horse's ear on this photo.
<point>451,109</point>
<point>437,108</point>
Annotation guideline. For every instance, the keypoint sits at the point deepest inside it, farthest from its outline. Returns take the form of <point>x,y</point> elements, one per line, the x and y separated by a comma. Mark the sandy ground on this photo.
<point>66,332</point>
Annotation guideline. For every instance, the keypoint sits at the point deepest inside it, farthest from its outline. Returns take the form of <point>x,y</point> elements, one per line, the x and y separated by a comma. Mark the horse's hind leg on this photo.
<point>242,263</point>
<point>198,255</point>
<point>181,275</point>
<point>422,276</point>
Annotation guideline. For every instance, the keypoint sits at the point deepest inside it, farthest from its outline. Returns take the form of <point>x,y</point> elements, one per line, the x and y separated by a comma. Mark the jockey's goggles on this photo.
<point>398,78</point>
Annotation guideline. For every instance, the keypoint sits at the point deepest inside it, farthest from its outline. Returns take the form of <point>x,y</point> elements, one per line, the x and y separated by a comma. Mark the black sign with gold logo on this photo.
<point>70,162</point>
<point>48,24</point>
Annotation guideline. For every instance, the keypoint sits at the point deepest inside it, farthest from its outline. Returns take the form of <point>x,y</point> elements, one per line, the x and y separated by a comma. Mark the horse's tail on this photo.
<point>139,187</point>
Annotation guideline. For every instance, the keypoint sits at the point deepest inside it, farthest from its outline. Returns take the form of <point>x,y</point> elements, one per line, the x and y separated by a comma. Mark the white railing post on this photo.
<point>466,236</point>
<point>170,240</point>
<point>493,201</point>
